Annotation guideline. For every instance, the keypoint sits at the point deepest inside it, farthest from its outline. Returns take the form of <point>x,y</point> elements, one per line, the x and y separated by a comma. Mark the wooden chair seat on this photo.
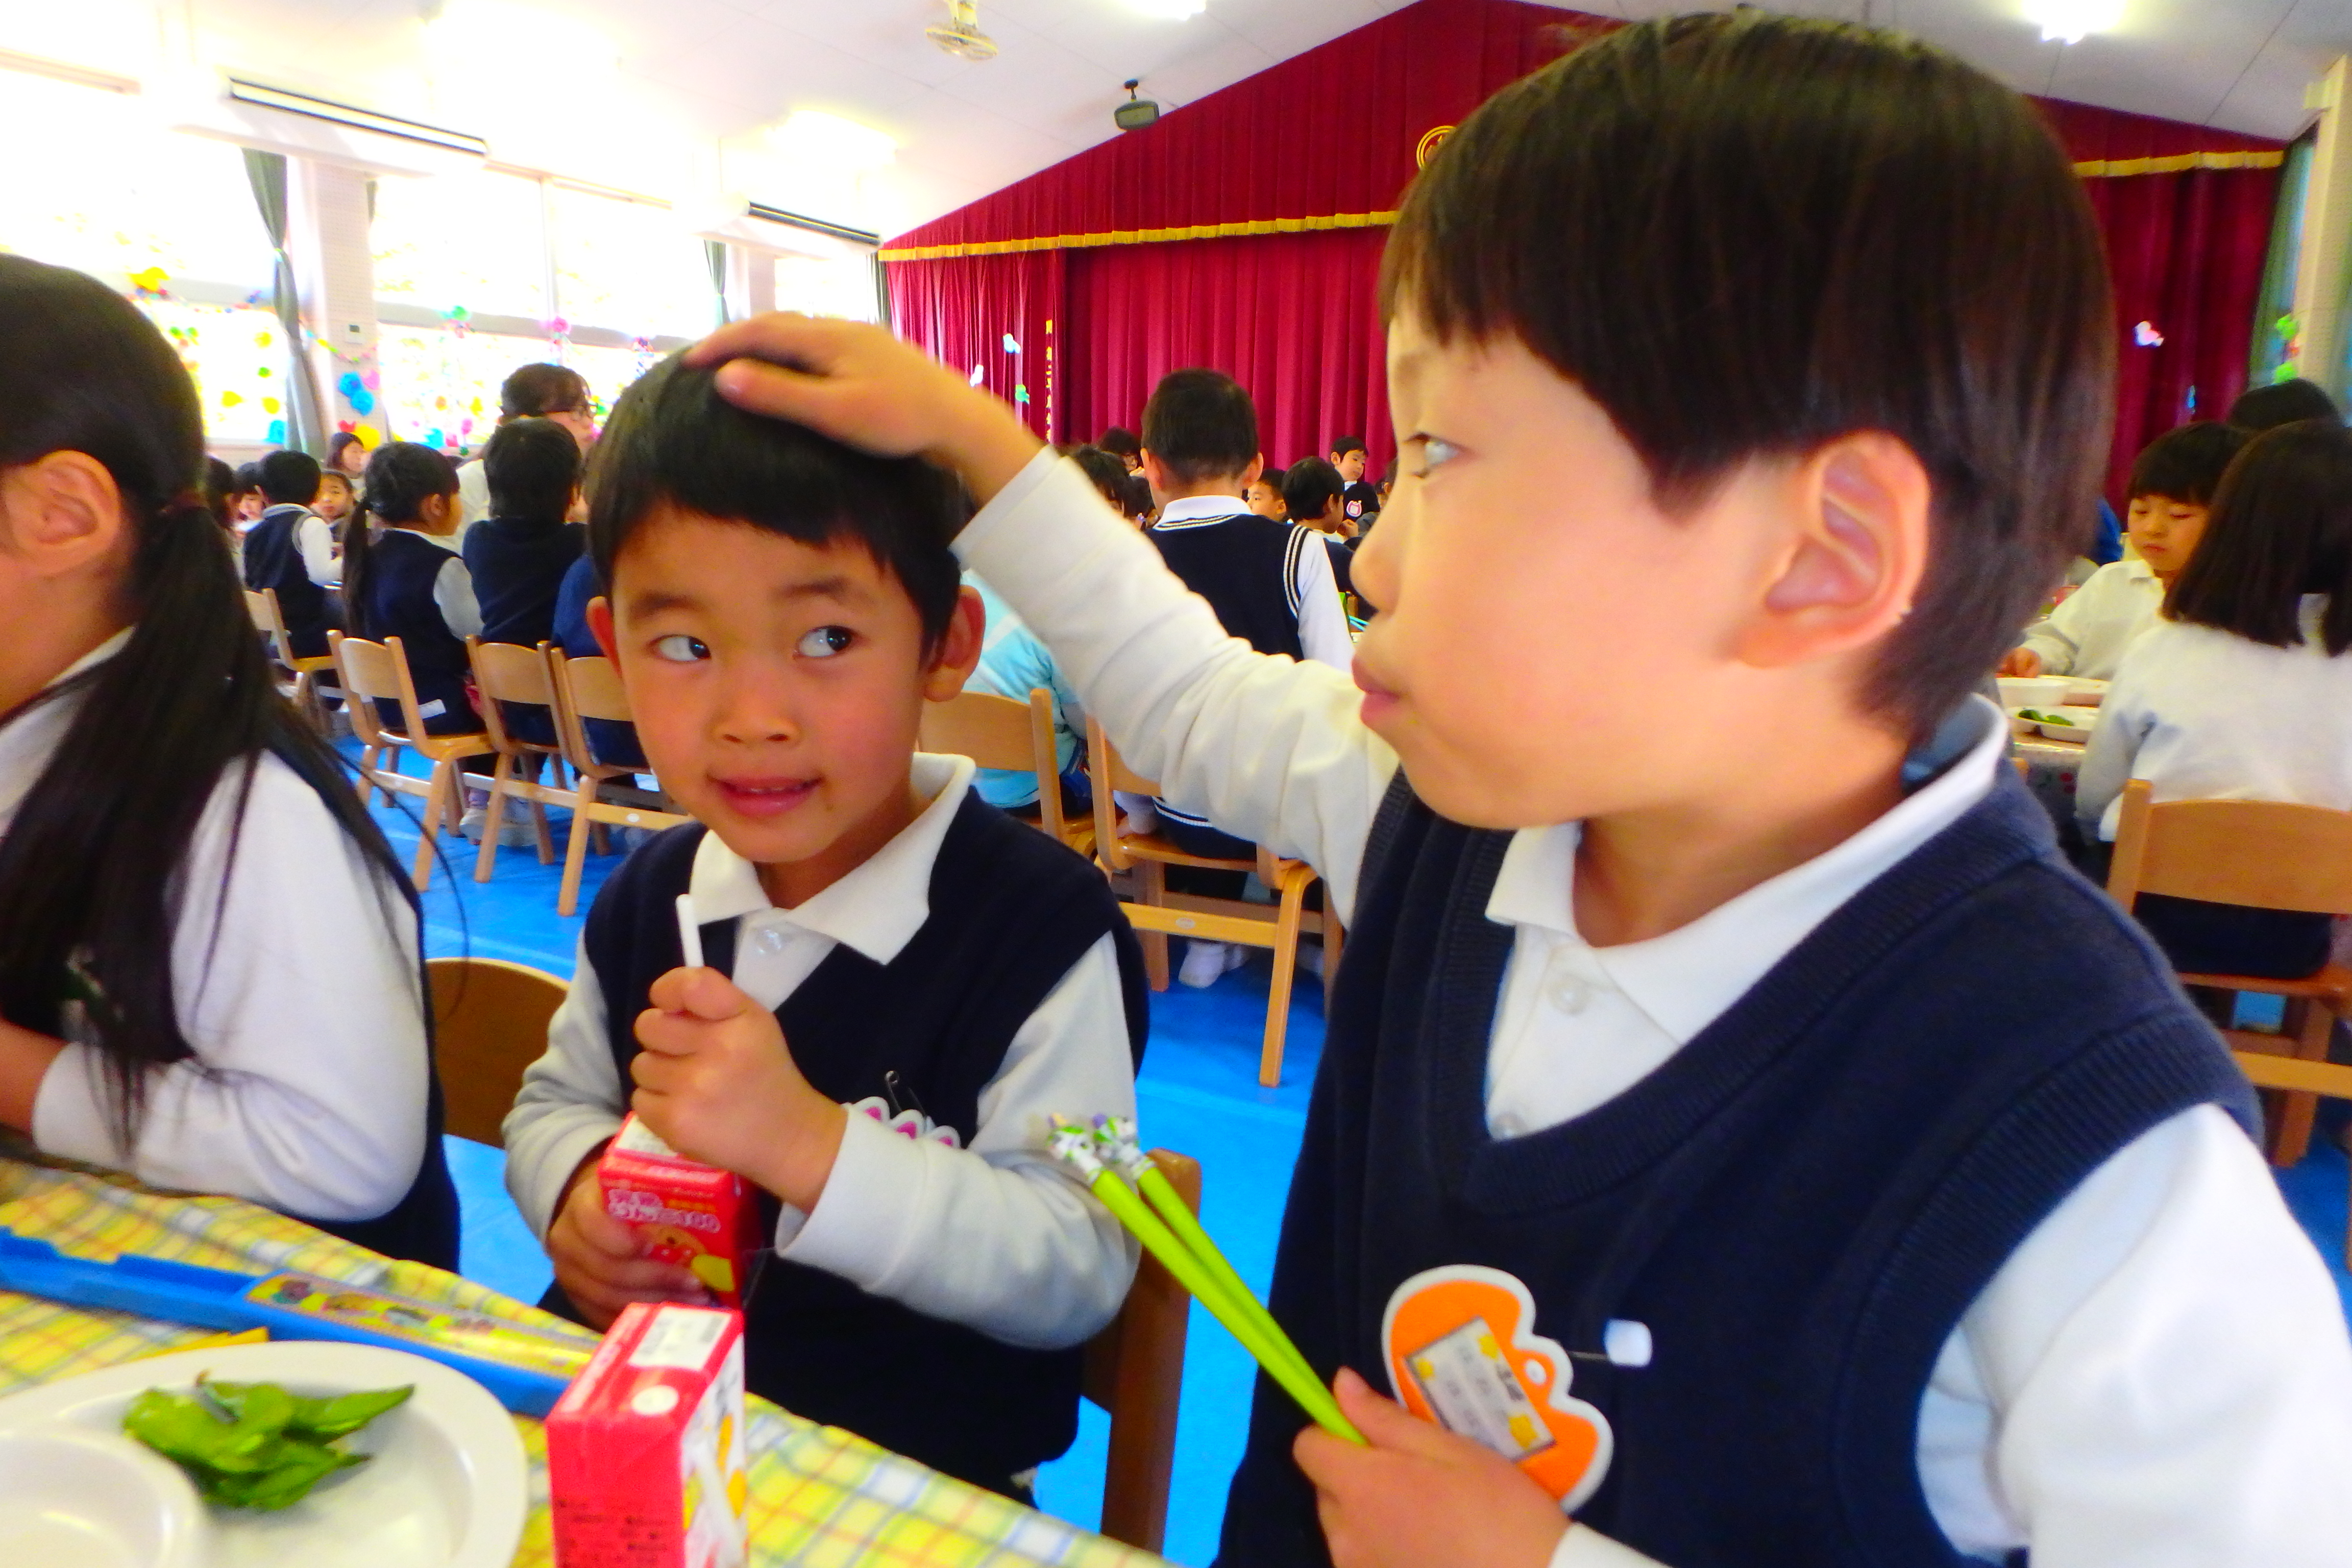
<point>1157,914</point>
<point>489,1023</point>
<point>2264,855</point>
<point>586,689</point>
<point>372,670</point>
<point>1135,1369</point>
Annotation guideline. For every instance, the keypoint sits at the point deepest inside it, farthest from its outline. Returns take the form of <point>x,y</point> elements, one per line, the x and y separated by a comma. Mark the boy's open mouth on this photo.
<point>764,797</point>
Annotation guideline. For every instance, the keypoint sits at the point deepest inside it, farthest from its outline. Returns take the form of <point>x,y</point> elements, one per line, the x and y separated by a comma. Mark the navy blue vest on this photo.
<point>519,566</point>
<point>1799,1204</point>
<point>1247,566</point>
<point>273,559</point>
<point>1011,911</point>
<point>402,568</point>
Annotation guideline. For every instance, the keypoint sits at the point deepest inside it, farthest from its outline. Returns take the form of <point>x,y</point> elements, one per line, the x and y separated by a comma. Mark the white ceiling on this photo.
<point>668,97</point>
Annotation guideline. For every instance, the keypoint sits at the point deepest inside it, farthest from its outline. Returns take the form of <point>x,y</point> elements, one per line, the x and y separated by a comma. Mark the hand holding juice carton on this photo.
<point>693,1216</point>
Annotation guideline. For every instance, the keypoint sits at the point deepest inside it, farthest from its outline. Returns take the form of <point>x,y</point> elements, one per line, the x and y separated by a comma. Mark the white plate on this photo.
<point>446,1487</point>
<point>2079,734</point>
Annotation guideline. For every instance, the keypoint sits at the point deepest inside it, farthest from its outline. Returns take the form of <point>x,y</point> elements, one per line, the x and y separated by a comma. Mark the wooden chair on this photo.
<point>588,688</point>
<point>261,604</point>
<point>999,732</point>
<point>2295,1078</point>
<point>2264,855</point>
<point>370,671</point>
<point>1160,913</point>
<point>489,1023</point>
<point>1135,1369</point>
<point>509,672</point>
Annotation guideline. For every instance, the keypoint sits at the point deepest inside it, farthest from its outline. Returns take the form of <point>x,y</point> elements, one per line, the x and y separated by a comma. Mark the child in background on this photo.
<point>335,501</point>
<point>1122,443</point>
<point>220,498</point>
<point>2260,408</point>
<point>1789,1034</point>
<point>208,957</point>
<point>1359,500</point>
<point>1264,496</point>
<point>529,392</point>
<point>405,579</point>
<point>246,495</point>
<point>1014,663</point>
<point>519,554</point>
<point>781,608</point>
<point>1315,494</point>
<point>1107,473</point>
<point>347,454</point>
<point>2241,690</point>
<point>2172,485</point>
<point>291,548</point>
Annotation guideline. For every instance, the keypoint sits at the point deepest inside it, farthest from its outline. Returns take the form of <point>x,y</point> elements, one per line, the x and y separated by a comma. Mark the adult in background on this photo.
<point>533,392</point>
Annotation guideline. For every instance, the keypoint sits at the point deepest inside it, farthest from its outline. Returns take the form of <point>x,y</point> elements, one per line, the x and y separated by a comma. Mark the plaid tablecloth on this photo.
<point>820,1497</point>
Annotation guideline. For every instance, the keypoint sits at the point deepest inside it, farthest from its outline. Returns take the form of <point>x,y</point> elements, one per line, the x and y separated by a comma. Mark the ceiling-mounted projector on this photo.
<point>960,35</point>
<point>1135,112</point>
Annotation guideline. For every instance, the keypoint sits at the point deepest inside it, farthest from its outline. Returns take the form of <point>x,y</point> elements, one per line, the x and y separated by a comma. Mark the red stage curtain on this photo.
<point>963,309</point>
<point>2186,253</point>
<point>1289,316</point>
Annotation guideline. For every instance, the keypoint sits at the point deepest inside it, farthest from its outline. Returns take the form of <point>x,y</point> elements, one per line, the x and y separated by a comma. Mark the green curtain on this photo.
<point>715,253</point>
<point>305,427</point>
<point>2266,346</point>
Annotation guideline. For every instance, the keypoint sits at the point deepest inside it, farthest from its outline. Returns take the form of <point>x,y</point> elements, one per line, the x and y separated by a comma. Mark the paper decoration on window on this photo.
<point>270,405</point>
<point>2146,336</point>
<point>362,402</point>
<point>1020,394</point>
<point>350,384</point>
<point>150,282</point>
<point>277,436</point>
<point>1011,344</point>
<point>230,400</point>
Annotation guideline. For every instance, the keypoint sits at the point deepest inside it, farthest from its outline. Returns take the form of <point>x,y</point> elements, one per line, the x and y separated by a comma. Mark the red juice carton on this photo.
<point>699,1218</point>
<point>646,1461</point>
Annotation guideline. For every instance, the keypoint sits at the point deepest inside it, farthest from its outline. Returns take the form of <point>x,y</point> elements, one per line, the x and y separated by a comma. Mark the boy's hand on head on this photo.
<point>1419,1494</point>
<point>600,1262</point>
<point>716,1083</point>
<point>862,386</point>
<point>2021,661</point>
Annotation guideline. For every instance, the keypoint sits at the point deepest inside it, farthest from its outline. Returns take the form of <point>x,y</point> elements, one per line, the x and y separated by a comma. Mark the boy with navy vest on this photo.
<point>877,939</point>
<point>1771,1019</point>
<point>293,549</point>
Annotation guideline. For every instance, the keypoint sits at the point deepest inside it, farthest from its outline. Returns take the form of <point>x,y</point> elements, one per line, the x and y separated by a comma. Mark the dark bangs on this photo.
<point>673,441</point>
<point>2281,527</point>
<point>1747,235</point>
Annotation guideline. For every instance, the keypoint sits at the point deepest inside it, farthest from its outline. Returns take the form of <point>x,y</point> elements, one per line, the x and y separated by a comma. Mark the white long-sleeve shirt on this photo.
<point>314,538</point>
<point>996,1235</point>
<point>453,588</point>
<point>2203,714</point>
<point>1322,619</point>
<point>2159,1377</point>
<point>2088,635</point>
<point>294,978</point>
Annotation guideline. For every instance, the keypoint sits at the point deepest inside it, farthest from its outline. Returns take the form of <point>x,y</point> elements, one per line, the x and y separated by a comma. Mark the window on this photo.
<point>609,372</point>
<point>441,385</point>
<point>474,241</point>
<point>629,266</point>
<point>833,286</point>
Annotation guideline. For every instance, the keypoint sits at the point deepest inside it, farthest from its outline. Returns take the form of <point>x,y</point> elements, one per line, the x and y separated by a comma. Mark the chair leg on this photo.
<point>1286,966</point>
<point>576,852</point>
<point>437,791</point>
<point>489,858</point>
<point>543,841</point>
<point>2290,1139</point>
<point>1151,886</point>
<point>367,774</point>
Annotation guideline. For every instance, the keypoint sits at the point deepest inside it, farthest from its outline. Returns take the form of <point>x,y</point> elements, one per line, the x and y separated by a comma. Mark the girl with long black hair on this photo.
<point>402,577</point>
<point>208,957</point>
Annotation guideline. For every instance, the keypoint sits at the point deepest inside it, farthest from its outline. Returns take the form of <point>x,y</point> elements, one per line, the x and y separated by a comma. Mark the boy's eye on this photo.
<point>824,642</point>
<point>1434,451</point>
<point>679,649</point>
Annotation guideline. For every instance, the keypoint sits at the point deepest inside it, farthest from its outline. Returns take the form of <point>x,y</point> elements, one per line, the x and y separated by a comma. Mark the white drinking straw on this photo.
<point>689,932</point>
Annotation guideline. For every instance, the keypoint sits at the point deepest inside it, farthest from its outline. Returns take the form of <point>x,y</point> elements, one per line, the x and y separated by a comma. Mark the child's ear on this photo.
<point>64,511</point>
<point>1857,548</point>
<point>600,625</point>
<point>957,654</point>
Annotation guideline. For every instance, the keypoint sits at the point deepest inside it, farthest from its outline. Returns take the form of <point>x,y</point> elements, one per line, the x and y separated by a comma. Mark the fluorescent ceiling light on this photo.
<point>1170,10</point>
<point>2070,21</point>
<point>830,142</point>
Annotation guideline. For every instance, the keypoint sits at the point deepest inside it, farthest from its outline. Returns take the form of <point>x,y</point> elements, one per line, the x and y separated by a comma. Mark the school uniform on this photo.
<point>473,494</point>
<point>934,1299</point>
<point>1361,502</point>
<point>2203,714</point>
<point>517,566</point>
<point>1942,1190</point>
<point>295,981</point>
<point>1014,663</point>
<point>1269,586</point>
<point>613,742</point>
<point>417,589</point>
<point>2088,633</point>
<point>291,548</point>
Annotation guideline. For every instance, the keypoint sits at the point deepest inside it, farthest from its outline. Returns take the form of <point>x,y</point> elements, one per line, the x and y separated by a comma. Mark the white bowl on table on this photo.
<point>446,1485</point>
<point>2044,691</point>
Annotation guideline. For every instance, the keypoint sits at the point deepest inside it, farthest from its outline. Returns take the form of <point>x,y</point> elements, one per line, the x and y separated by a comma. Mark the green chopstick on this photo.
<point>1199,1267</point>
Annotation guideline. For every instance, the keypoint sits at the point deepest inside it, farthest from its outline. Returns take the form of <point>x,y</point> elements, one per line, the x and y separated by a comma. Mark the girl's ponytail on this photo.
<point>400,477</point>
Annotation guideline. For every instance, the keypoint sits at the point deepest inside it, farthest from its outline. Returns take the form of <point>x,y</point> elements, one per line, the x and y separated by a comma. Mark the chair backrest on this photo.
<point>261,605</point>
<point>586,688</point>
<point>509,672</point>
<point>993,730</point>
<point>2265,855</point>
<point>1110,771</point>
<point>370,671</point>
<point>1135,1369</point>
<point>489,1021</point>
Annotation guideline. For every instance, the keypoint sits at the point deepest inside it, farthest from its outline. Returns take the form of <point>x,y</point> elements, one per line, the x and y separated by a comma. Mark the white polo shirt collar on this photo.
<point>1199,509</point>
